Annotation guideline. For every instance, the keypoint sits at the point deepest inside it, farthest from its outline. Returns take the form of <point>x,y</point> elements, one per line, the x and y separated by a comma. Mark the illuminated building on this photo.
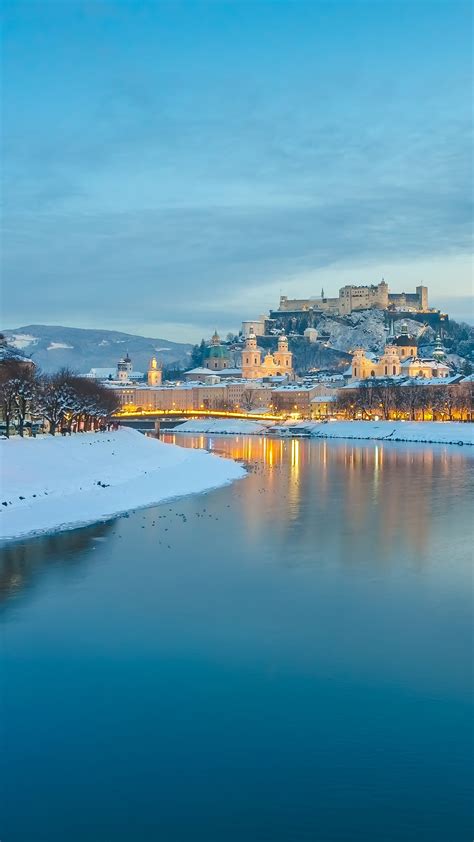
<point>278,364</point>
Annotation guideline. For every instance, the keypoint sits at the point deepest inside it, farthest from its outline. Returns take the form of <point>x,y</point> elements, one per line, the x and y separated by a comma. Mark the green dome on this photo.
<point>216,352</point>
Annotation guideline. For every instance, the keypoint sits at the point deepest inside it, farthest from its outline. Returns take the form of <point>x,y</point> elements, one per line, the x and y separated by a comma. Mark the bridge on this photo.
<point>148,418</point>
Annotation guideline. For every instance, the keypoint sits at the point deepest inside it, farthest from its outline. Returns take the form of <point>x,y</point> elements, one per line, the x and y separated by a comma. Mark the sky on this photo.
<point>172,167</point>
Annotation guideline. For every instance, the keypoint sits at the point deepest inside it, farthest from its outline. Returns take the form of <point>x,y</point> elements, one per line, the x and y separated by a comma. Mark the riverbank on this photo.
<point>431,432</point>
<point>55,483</point>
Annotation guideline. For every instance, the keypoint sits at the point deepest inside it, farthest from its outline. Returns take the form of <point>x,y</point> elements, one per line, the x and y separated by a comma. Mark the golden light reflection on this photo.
<point>382,489</point>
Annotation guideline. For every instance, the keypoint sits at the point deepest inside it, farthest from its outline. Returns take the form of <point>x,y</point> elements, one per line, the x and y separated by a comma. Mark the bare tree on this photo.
<point>249,399</point>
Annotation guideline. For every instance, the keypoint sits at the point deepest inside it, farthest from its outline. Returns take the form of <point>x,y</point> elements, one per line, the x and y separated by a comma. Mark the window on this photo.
<point>386,369</point>
<point>394,369</point>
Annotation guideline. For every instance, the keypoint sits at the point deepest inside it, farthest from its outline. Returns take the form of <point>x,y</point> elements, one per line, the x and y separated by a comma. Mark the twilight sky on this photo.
<point>173,166</point>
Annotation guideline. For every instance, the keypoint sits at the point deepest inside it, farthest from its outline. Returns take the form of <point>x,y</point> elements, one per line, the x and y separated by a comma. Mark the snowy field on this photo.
<point>222,426</point>
<point>50,484</point>
<point>433,432</point>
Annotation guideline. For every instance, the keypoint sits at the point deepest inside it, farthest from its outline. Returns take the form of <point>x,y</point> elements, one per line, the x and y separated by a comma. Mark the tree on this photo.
<point>384,394</point>
<point>8,393</point>
<point>56,398</point>
<point>248,400</point>
<point>26,390</point>
<point>197,354</point>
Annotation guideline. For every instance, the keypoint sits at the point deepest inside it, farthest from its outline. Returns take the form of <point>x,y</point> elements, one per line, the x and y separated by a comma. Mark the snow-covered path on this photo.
<point>58,483</point>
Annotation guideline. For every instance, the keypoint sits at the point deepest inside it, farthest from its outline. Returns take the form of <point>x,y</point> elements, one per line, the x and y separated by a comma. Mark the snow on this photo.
<point>433,432</point>
<point>55,483</point>
<point>222,426</point>
<point>56,346</point>
<point>362,329</point>
<point>21,340</point>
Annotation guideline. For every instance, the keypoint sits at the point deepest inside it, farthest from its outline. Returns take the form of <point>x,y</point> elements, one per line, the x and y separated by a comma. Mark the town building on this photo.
<point>122,373</point>
<point>232,395</point>
<point>392,364</point>
<point>280,363</point>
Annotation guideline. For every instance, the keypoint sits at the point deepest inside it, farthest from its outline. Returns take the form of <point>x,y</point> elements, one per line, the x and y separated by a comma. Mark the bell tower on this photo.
<point>154,373</point>
<point>251,358</point>
<point>283,357</point>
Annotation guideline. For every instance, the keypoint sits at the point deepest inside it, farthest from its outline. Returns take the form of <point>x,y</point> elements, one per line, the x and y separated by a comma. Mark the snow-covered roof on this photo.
<point>111,373</point>
<point>200,370</point>
<point>295,387</point>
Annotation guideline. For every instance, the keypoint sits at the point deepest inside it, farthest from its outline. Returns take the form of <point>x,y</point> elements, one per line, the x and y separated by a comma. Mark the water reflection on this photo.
<point>386,489</point>
<point>22,562</point>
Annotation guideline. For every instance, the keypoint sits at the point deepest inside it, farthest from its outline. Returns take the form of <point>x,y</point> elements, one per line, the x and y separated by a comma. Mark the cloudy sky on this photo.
<point>174,166</point>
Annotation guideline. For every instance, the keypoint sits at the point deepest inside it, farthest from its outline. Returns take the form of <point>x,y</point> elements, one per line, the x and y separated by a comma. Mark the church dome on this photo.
<point>216,352</point>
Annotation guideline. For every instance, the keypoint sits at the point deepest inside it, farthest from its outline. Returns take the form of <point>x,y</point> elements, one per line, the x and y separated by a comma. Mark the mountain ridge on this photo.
<point>55,346</point>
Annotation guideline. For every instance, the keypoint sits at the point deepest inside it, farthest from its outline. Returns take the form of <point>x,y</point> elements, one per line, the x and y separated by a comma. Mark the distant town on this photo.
<point>257,371</point>
<point>402,365</point>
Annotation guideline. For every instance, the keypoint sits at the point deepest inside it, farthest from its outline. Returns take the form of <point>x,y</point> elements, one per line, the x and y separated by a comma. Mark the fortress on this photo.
<point>352,298</point>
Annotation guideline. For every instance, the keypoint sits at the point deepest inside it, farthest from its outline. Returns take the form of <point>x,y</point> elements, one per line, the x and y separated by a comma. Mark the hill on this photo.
<point>52,347</point>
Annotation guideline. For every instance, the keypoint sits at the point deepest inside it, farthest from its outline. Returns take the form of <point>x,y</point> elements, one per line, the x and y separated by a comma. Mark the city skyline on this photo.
<point>175,167</point>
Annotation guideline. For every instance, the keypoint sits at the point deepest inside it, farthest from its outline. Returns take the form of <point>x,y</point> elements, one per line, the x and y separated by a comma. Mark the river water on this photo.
<point>287,658</point>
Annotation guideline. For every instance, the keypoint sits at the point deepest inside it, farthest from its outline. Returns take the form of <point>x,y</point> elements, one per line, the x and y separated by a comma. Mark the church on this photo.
<point>216,356</point>
<point>279,363</point>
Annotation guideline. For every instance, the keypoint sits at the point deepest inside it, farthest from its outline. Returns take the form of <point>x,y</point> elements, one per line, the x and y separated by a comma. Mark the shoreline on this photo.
<point>57,484</point>
<point>452,433</point>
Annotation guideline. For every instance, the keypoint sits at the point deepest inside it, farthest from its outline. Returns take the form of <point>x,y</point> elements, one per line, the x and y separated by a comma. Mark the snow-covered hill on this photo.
<point>364,329</point>
<point>52,347</point>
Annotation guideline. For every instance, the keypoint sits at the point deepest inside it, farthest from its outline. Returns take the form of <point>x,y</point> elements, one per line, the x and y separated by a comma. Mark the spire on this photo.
<point>438,352</point>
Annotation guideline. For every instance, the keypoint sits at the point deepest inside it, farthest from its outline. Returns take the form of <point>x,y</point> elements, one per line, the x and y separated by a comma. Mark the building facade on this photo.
<point>279,363</point>
<point>352,297</point>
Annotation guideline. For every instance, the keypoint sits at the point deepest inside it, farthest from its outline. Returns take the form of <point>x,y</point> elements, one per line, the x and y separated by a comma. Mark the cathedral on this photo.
<point>216,356</point>
<point>279,363</point>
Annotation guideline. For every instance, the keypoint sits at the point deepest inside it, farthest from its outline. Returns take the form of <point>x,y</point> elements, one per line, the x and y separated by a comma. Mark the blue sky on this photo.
<point>170,167</point>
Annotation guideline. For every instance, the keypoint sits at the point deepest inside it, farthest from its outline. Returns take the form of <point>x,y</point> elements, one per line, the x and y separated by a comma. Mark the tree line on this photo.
<point>410,401</point>
<point>68,403</point>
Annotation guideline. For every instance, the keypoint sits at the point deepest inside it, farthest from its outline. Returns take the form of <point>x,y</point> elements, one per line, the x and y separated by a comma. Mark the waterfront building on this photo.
<point>221,395</point>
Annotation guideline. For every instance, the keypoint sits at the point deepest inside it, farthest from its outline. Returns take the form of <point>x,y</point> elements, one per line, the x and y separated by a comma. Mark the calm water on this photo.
<point>287,658</point>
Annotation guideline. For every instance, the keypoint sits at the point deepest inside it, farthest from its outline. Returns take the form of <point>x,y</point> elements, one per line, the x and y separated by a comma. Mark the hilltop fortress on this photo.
<point>353,298</point>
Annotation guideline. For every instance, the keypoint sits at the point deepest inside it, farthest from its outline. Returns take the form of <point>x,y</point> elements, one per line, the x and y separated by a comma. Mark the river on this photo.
<point>287,658</point>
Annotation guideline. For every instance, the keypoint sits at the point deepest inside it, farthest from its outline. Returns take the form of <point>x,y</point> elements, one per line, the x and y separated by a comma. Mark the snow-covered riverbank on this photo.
<point>431,432</point>
<point>58,483</point>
